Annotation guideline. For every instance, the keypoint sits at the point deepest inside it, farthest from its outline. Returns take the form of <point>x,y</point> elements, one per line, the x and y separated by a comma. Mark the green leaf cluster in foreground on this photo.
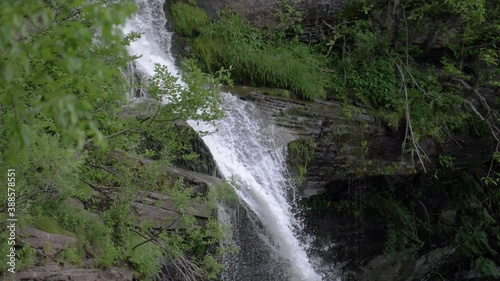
<point>65,121</point>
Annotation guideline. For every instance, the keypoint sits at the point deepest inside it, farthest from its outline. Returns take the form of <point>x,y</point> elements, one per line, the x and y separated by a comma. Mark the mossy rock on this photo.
<point>301,151</point>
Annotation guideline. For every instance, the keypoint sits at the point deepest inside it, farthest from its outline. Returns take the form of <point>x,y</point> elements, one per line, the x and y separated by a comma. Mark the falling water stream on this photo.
<point>249,151</point>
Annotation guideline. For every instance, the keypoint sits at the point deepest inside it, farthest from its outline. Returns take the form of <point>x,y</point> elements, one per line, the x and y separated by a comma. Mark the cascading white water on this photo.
<point>249,152</point>
<point>246,149</point>
<point>154,44</point>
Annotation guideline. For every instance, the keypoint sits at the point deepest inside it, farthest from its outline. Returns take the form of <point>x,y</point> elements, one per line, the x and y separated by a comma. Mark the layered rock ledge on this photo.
<point>350,142</point>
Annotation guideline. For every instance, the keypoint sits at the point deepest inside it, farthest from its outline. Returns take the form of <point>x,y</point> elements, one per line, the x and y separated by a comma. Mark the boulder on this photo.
<point>51,244</point>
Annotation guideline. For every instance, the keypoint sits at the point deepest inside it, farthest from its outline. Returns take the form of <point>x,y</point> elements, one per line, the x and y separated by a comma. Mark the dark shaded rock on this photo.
<point>346,232</point>
<point>351,228</point>
<point>404,266</point>
<point>204,162</point>
<point>448,214</point>
<point>383,268</point>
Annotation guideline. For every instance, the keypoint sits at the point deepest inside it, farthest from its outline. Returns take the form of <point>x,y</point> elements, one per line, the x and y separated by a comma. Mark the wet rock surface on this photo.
<point>351,143</point>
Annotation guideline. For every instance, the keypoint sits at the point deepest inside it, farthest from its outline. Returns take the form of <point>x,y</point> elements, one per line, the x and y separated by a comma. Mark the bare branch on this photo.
<point>118,133</point>
<point>409,131</point>
<point>491,118</point>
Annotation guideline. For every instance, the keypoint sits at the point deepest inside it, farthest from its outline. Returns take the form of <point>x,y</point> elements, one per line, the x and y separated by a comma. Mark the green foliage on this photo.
<point>62,116</point>
<point>477,237</point>
<point>223,193</point>
<point>46,46</point>
<point>488,267</point>
<point>401,228</point>
<point>300,153</point>
<point>50,175</point>
<point>25,257</point>
<point>197,99</point>
<point>446,161</point>
<point>201,92</point>
<point>367,52</point>
<point>145,258</point>
<point>73,255</point>
<point>289,17</point>
<point>231,41</point>
<point>188,19</point>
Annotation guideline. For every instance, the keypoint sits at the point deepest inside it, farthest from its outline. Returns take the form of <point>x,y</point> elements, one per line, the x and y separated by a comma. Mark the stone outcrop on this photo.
<point>56,272</point>
<point>263,13</point>
<point>191,140</point>
<point>160,208</point>
<point>164,213</point>
<point>198,182</point>
<point>353,143</point>
<point>41,240</point>
<point>47,247</point>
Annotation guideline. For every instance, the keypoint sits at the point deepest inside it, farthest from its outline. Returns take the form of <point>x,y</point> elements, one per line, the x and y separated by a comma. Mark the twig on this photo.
<point>99,187</point>
<point>442,278</point>
<point>118,133</point>
<point>428,221</point>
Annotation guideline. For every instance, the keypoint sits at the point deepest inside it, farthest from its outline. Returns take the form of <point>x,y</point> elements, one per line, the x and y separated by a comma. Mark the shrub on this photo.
<point>188,19</point>
<point>231,41</point>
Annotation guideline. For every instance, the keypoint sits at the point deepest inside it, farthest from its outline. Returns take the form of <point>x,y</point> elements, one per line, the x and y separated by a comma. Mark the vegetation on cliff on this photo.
<point>255,56</point>
<point>397,59</point>
<point>433,68</point>
<point>64,118</point>
<point>426,68</point>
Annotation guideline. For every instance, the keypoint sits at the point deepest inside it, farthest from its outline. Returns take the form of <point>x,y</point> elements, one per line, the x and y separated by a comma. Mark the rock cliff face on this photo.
<point>343,159</point>
<point>352,143</point>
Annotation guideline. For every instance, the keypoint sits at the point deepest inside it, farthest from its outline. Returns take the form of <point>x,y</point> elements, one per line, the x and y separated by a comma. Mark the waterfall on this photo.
<point>249,152</point>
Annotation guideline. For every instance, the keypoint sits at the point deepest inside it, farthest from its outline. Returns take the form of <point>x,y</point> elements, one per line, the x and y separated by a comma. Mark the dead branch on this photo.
<point>105,168</point>
<point>490,118</point>
<point>185,267</point>
<point>409,128</point>
<point>118,133</point>
<point>100,187</point>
